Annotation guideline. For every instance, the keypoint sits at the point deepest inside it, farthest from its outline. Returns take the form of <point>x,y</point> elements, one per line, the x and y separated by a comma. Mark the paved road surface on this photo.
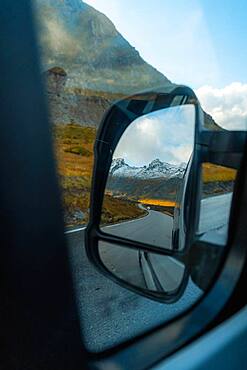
<point>111,314</point>
<point>154,229</point>
<point>214,218</point>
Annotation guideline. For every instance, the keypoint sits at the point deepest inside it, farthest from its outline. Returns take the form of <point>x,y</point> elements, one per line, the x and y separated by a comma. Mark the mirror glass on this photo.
<point>148,271</point>
<point>216,198</point>
<point>147,175</point>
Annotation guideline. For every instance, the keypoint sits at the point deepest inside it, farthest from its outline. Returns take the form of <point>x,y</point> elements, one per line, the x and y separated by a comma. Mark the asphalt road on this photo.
<point>111,314</point>
<point>154,229</point>
<point>214,218</point>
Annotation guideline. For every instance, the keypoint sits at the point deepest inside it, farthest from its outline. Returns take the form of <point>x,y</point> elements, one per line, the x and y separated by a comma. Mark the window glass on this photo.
<point>95,52</point>
<point>217,189</point>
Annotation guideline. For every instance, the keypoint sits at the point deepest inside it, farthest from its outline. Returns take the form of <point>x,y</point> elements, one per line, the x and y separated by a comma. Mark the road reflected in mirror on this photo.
<point>217,188</point>
<point>146,271</point>
<point>147,176</point>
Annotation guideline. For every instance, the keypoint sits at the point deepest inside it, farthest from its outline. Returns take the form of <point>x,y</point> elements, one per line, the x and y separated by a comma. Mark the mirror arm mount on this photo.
<point>202,259</point>
<point>223,148</point>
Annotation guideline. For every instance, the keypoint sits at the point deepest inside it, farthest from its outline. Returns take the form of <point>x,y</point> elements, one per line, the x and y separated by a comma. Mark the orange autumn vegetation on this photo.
<point>158,202</point>
<point>212,172</point>
<point>74,152</point>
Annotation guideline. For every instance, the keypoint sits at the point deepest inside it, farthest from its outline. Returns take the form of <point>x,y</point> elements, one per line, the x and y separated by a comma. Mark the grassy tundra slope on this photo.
<point>74,152</point>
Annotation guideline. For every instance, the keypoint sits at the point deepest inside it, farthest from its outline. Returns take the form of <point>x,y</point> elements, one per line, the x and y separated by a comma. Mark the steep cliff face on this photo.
<point>86,44</point>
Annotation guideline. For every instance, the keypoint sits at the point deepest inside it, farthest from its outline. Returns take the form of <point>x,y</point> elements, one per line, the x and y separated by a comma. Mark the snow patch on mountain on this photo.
<point>155,169</point>
<point>120,168</point>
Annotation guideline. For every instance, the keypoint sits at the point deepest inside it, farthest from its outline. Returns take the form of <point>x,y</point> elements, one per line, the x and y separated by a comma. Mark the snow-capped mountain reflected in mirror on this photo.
<point>146,175</point>
<point>155,169</point>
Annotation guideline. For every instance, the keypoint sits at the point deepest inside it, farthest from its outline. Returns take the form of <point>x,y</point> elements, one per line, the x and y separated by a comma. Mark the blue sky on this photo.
<point>196,42</point>
<point>199,43</point>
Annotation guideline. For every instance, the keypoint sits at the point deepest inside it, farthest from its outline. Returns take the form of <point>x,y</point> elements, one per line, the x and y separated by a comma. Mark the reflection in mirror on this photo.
<point>144,270</point>
<point>146,177</point>
<point>217,188</point>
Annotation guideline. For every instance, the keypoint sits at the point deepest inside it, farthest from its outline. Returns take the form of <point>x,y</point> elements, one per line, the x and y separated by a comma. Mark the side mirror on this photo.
<point>162,188</point>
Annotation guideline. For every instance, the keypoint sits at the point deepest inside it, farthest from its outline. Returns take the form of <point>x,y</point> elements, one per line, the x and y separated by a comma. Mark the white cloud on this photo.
<point>228,106</point>
<point>167,134</point>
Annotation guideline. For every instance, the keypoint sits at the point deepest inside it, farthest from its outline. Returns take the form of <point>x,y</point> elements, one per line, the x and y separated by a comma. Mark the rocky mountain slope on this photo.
<point>82,107</point>
<point>86,44</point>
<point>87,63</point>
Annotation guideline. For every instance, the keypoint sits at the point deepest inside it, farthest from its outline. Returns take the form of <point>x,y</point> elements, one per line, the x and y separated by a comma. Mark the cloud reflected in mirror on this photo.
<point>166,134</point>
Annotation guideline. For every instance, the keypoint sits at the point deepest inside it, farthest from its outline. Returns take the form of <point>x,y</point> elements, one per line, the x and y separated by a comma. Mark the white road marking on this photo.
<point>126,222</point>
<point>75,230</point>
<point>120,223</point>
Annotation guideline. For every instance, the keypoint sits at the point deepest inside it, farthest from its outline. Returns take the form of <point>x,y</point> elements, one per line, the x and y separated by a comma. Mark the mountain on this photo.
<point>156,169</point>
<point>158,180</point>
<point>87,63</point>
<point>86,44</point>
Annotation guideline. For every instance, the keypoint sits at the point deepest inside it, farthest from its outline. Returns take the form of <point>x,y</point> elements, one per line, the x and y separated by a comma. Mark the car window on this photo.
<point>94,53</point>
